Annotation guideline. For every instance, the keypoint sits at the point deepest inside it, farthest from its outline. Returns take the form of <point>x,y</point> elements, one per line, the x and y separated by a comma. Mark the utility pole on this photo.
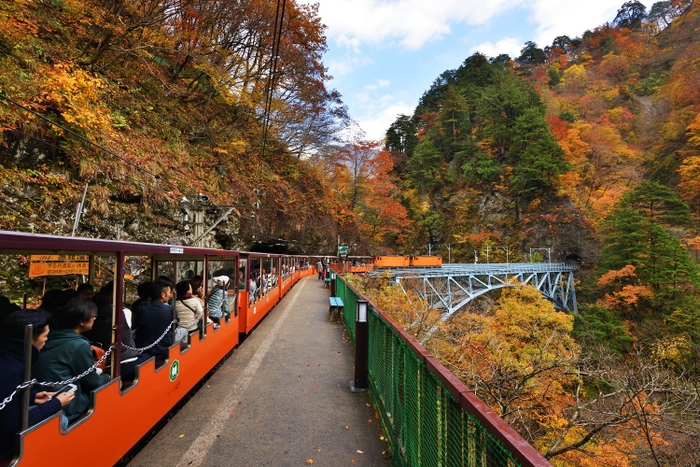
<point>198,222</point>
<point>548,250</point>
<point>79,211</point>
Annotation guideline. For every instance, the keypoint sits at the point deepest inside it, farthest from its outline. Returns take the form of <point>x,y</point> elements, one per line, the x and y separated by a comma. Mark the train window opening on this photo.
<point>254,282</point>
<point>165,269</point>
<point>242,270</point>
<point>187,270</point>
<point>273,273</point>
<point>221,290</point>
<point>190,301</point>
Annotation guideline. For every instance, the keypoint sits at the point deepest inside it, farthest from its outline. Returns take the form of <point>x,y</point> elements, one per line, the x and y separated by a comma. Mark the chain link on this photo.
<point>194,324</point>
<point>162,336</point>
<point>8,399</point>
<point>32,382</point>
<point>56,383</point>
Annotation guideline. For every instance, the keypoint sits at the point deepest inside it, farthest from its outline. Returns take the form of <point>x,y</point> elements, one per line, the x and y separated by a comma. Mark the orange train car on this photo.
<point>426,261</point>
<point>407,261</point>
<point>392,261</point>
<point>158,386</point>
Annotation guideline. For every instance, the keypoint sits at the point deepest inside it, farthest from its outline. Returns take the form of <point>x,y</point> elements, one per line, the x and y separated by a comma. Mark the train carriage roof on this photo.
<point>24,243</point>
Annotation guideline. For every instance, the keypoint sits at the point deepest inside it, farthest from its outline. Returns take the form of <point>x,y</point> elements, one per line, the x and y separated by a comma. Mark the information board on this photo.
<point>58,265</point>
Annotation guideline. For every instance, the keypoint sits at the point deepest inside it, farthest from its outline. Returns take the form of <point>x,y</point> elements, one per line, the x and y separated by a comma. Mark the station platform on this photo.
<point>281,399</point>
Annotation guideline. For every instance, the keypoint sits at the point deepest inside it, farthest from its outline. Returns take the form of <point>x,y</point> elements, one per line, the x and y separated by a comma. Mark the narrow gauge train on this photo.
<point>122,412</point>
<point>407,261</point>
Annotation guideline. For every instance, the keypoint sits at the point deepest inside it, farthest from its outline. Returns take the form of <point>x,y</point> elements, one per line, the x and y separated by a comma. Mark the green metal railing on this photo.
<point>428,416</point>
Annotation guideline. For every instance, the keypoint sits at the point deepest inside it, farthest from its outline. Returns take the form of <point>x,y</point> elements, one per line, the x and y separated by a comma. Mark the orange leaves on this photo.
<point>626,292</point>
<point>628,295</point>
<point>614,276</point>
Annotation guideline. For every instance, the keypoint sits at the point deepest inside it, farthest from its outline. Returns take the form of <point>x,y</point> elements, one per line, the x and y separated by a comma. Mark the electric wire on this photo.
<point>276,41</point>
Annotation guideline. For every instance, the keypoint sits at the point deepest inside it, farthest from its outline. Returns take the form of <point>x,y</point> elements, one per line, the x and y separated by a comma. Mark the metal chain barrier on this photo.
<point>32,382</point>
<point>162,336</point>
<point>8,399</point>
<point>192,325</point>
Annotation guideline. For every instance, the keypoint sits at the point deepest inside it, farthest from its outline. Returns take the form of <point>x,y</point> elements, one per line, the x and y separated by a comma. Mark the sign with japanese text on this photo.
<point>58,265</point>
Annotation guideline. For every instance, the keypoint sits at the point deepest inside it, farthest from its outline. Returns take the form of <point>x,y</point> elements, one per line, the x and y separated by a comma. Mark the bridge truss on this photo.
<point>452,286</point>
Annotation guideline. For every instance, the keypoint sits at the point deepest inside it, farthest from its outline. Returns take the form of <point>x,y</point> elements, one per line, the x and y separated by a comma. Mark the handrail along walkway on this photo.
<point>429,416</point>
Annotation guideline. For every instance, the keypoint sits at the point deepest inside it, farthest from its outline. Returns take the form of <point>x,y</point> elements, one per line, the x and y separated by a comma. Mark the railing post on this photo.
<point>28,342</point>
<point>361,347</point>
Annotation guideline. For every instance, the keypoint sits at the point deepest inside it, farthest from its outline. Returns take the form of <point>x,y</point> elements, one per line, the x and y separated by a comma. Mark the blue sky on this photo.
<point>384,54</point>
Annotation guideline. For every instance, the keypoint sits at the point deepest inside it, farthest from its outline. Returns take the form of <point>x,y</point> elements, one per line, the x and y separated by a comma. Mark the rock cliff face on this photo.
<point>551,229</point>
<point>41,191</point>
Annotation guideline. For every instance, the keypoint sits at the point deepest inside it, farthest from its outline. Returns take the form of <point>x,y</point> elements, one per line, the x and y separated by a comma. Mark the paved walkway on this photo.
<point>281,399</point>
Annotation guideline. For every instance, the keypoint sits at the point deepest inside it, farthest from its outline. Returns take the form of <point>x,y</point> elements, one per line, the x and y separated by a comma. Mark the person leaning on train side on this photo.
<point>68,354</point>
<point>152,320</point>
<point>218,299</point>
<point>43,405</point>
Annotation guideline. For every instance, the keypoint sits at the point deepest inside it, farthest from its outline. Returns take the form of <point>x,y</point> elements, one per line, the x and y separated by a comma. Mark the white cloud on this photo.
<point>408,23</point>
<point>375,125</point>
<point>379,83</point>
<point>565,17</point>
<point>411,24</point>
<point>507,45</point>
<point>347,65</point>
<point>378,113</point>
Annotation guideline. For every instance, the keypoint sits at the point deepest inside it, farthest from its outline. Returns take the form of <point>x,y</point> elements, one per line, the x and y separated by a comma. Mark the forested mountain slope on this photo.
<point>588,147</point>
<point>182,98</point>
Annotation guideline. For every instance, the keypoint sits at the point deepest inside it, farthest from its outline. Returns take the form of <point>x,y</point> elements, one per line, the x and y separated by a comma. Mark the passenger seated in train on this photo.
<point>86,291</point>
<point>189,310</point>
<point>153,319</point>
<point>101,332</point>
<point>53,300</point>
<point>241,279</point>
<point>43,405</point>
<point>197,283</point>
<point>252,290</point>
<point>218,299</point>
<point>143,290</point>
<point>67,354</point>
<point>6,307</point>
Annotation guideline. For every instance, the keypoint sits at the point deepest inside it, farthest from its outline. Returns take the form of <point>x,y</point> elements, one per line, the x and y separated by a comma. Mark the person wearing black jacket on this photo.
<point>12,375</point>
<point>153,318</point>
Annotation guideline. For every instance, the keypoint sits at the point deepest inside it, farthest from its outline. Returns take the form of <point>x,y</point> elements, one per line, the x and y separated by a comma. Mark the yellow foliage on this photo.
<point>75,94</point>
<point>673,348</point>
<point>575,76</point>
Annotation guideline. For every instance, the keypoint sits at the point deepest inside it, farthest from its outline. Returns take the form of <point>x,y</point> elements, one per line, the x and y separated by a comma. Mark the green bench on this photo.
<point>336,303</point>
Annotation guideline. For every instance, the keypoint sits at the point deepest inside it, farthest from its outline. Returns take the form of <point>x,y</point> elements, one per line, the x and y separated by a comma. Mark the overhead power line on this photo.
<point>276,41</point>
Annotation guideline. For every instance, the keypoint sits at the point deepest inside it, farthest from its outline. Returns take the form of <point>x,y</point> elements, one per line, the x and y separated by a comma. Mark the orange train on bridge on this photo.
<point>407,261</point>
<point>122,412</point>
